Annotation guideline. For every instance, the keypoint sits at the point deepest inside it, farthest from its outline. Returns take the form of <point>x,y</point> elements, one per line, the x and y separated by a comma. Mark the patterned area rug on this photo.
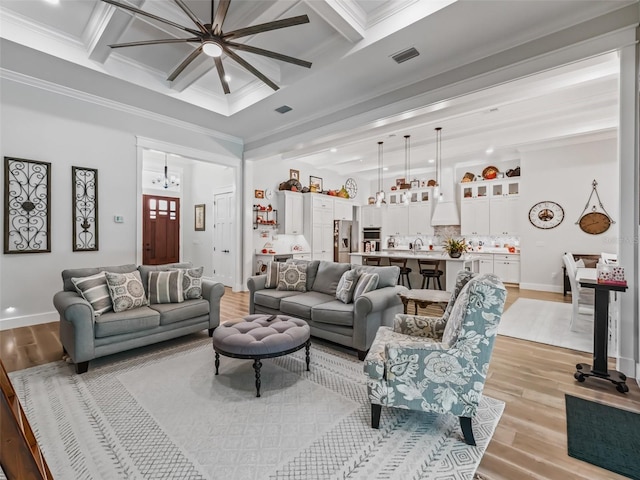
<point>161,413</point>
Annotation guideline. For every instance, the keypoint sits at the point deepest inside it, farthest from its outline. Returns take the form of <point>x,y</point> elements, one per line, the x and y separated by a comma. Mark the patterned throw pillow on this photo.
<point>166,287</point>
<point>192,282</point>
<point>94,290</point>
<point>273,274</point>
<point>292,277</point>
<point>366,283</point>
<point>126,290</point>
<point>346,286</point>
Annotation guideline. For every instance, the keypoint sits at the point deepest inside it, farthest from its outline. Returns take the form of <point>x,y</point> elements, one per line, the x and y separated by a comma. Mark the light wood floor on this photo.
<point>530,441</point>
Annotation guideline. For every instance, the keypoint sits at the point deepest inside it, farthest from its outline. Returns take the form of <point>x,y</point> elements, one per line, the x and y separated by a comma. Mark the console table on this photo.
<point>601,337</point>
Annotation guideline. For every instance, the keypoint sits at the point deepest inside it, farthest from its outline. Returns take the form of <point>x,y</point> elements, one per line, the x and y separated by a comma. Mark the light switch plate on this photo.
<point>118,219</point>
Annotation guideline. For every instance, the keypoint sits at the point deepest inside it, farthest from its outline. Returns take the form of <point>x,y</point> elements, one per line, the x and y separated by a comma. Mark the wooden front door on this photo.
<point>160,230</point>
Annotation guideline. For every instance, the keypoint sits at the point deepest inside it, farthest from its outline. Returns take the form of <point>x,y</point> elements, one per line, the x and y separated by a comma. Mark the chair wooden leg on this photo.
<point>376,410</point>
<point>362,354</point>
<point>467,431</point>
<point>439,284</point>
<point>424,280</point>
<point>82,367</point>
<point>408,281</point>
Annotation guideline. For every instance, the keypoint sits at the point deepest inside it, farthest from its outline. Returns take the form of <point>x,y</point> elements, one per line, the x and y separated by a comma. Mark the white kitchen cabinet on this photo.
<point>504,215</point>
<point>342,209</point>
<point>507,267</point>
<point>318,225</point>
<point>397,220</point>
<point>474,216</point>
<point>419,219</point>
<point>486,263</point>
<point>291,209</point>
<point>371,216</point>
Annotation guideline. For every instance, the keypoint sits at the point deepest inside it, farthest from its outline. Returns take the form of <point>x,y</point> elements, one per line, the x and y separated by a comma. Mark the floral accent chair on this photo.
<point>419,365</point>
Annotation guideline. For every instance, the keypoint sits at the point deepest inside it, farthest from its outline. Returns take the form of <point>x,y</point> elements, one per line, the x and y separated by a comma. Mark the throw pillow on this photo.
<point>273,274</point>
<point>126,290</point>
<point>366,283</point>
<point>292,277</point>
<point>192,282</point>
<point>346,286</point>
<point>94,290</point>
<point>166,287</point>
<point>580,263</point>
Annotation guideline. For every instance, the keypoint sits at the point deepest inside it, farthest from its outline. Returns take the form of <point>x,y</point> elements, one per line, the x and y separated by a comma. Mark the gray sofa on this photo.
<point>85,336</point>
<point>353,324</point>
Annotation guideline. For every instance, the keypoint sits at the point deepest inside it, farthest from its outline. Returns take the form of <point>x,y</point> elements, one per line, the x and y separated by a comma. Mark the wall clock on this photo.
<point>594,222</point>
<point>546,215</point>
<point>268,194</point>
<point>351,187</point>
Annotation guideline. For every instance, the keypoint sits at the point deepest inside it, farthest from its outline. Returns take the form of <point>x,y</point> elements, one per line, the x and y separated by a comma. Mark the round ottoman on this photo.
<point>261,336</point>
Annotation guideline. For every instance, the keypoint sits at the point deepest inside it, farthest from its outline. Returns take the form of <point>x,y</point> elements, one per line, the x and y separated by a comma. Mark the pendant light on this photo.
<point>164,180</point>
<point>380,192</point>
<point>406,196</point>
<point>438,162</point>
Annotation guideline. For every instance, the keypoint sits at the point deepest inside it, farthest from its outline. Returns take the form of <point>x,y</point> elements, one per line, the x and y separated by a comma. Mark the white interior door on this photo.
<point>224,245</point>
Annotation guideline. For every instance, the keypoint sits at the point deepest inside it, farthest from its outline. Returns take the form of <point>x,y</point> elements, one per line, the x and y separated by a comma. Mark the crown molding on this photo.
<point>114,105</point>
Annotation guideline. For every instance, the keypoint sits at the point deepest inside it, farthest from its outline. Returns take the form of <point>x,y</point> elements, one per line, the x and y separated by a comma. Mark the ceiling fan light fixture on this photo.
<point>212,49</point>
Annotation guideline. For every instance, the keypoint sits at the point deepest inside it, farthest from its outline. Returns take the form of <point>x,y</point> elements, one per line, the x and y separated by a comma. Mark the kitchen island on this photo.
<point>452,265</point>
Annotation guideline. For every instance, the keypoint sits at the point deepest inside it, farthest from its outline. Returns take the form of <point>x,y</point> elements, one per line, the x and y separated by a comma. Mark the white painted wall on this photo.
<point>39,125</point>
<point>563,174</point>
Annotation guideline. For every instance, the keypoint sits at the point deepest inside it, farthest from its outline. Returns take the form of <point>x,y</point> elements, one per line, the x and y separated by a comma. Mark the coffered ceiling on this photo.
<point>350,45</point>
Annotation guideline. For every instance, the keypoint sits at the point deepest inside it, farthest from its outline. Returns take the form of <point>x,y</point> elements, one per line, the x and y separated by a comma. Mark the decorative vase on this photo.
<point>455,254</point>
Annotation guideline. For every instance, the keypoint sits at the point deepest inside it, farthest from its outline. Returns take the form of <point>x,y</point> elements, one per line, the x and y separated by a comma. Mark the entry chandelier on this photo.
<point>380,192</point>
<point>438,192</point>
<point>166,181</point>
<point>406,196</point>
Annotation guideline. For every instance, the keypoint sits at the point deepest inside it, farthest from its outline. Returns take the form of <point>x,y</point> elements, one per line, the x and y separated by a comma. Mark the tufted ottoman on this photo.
<point>261,336</point>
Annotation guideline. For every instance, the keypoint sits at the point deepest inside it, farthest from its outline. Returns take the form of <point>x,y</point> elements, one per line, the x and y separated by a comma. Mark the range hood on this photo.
<point>445,212</point>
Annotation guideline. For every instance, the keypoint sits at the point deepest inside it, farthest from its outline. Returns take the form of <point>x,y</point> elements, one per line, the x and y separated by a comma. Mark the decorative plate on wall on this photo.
<point>546,215</point>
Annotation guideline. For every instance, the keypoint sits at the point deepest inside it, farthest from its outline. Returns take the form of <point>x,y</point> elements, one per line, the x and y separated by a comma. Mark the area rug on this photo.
<point>163,414</point>
<point>604,436</point>
<point>547,322</point>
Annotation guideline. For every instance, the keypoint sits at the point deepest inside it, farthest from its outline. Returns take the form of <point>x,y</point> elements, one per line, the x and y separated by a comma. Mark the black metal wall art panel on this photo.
<point>85,209</point>
<point>27,200</point>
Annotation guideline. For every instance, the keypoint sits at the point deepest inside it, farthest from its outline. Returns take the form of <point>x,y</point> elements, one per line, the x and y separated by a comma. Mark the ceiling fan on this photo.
<point>214,42</point>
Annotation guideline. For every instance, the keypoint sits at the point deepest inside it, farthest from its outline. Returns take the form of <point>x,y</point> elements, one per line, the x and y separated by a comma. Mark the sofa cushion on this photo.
<point>67,275</point>
<point>166,287</point>
<point>145,269</point>
<point>293,277</point>
<point>94,290</point>
<point>387,276</point>
<point>312,269</point>
<point>271,298</point>
<point>366,283</point>
<point>126,290</point>
<point>273,274</point>
<point>177,312</point>
<point>334,313</point>
<point>328,277</point>
<point>300,305</point>
<point>346,286</point>
<point>134,320</point>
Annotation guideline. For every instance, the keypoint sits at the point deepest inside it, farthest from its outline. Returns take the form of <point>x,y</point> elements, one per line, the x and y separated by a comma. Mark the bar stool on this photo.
<point>375,261</point>
<point>404,270</point>
<point>430,269</point>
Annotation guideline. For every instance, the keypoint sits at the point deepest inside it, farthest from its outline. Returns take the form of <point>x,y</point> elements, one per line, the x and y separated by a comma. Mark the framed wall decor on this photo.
<point>199,215</point>
<point>27,206</point>
<point>316,183</point>
<point>84,200</point>
<point>258,193</point>
<point>295,174</point>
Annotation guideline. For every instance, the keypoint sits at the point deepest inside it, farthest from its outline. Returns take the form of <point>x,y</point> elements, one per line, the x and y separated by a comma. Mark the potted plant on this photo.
<point>454,247</point>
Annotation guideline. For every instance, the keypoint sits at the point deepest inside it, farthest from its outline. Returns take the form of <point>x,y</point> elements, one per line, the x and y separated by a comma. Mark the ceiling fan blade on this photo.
<point>249,67</point>
<point>269,53</point>
<point>265,27</point>
<point>155,42</point>
<point>221,14</point>
<point>192,56</point>
<point>192,16</point>
<point>220,68</point>
<point>150,15</point>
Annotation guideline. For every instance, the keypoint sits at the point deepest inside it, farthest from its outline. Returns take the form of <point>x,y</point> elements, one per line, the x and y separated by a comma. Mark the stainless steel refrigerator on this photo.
<point>342,240</point>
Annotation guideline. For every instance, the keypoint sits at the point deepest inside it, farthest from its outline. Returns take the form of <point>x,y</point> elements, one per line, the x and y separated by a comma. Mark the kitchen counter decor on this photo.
<point>454,247</point>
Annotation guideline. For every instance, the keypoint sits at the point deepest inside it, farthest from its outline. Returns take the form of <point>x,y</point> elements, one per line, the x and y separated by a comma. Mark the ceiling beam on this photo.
<point>348,19</point>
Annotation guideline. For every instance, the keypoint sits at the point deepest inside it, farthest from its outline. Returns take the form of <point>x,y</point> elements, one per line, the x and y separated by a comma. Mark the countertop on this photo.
<point>485,250</point>
<point>425,255</point>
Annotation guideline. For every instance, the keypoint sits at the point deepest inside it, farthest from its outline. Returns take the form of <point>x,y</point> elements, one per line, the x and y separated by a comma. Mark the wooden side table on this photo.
<point>423,298</point>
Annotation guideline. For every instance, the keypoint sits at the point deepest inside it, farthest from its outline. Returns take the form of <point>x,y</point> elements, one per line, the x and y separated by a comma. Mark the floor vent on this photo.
<point>405,55</point>
<point>284,109</point>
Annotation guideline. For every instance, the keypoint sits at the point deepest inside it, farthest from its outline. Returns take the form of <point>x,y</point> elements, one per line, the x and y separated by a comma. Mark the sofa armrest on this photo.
<point>371,311</point>
<point>213,292</point>
<point>254,284</point>
<point>377,300</point>
<point>76,325</point>
<point>419,326</point>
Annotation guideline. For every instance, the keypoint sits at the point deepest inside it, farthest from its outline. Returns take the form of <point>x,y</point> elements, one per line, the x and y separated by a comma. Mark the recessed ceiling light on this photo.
<point>53,2</point>
<point>227,78</point>
<point>333,150</point>
<point>489,150</point>
<point>431,160</point>
<point>385,168</point>
<point>11,309</point>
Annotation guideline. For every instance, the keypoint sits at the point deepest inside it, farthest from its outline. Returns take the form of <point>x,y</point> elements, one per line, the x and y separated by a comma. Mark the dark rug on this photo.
<point>605,436</point>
